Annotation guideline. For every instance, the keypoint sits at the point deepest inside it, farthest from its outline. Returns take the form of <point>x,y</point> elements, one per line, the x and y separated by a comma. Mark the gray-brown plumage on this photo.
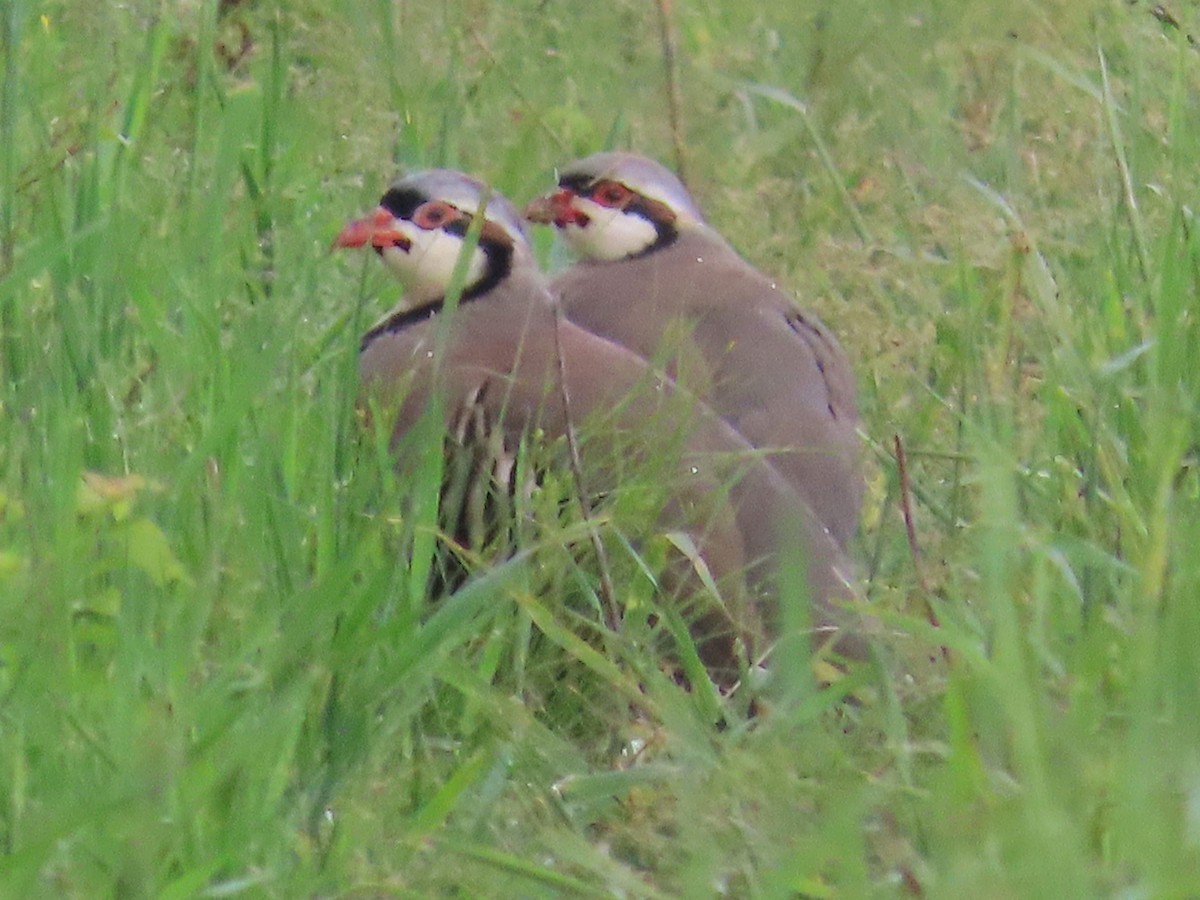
<point>655,278</point>
<point>498,364</point>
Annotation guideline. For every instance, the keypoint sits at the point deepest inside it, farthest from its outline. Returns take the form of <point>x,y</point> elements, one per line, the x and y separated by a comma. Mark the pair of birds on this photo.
<point>661,326</point>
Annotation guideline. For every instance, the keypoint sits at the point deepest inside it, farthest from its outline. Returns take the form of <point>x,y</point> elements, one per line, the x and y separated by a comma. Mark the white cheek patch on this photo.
<point>427,267</point>
<point>609,234</point>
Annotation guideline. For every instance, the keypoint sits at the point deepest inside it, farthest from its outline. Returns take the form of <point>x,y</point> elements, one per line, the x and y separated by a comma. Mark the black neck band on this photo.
<point>665,233</point>
<point>497,266</point>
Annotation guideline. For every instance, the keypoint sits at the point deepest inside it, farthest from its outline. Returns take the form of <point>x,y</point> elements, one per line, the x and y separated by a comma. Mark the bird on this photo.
<point>503,366</point>
<point>655,277</point>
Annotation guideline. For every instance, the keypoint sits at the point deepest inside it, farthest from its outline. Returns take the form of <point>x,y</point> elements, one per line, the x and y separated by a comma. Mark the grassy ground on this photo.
<point>213,680</point>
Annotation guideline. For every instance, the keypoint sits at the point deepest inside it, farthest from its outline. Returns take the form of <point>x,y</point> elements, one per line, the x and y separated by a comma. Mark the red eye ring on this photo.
<point>434,214</point>
<point>612,194</point>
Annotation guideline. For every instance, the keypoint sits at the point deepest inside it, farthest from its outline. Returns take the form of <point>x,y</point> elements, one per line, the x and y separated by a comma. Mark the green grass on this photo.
<point>217,673</point>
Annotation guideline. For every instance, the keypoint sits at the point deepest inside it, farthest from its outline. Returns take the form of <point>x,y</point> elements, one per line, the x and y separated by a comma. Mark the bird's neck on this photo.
<point>501,271</point>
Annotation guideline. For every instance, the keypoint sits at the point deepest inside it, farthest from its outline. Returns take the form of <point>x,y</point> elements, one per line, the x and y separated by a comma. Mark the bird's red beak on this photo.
<point>376,230</point>
<point>557,209</point>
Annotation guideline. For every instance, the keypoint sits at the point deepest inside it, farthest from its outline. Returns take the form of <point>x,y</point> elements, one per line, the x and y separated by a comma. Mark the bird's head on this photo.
<point>612,206</point>
<point>420,230</point>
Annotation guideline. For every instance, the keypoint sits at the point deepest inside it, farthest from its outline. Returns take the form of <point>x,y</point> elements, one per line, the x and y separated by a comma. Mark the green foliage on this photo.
<point>218,672</point>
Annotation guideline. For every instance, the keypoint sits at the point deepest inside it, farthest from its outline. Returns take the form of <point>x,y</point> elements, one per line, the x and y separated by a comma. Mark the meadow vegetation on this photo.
<point>219,675</point>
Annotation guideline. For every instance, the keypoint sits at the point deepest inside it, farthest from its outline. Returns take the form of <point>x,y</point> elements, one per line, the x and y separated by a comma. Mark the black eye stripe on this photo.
<point>585,185</point>
<point>580,184</point>
<point>402,202</point>
<point>643,209</point>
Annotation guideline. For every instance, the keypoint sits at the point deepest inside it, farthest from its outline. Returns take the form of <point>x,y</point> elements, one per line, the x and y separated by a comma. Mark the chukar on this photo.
<point>507,360</point>
<point>656,278</point>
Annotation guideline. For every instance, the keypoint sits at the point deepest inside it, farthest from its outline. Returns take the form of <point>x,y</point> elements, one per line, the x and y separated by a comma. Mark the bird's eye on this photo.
<point>434,214</point>
<point>612,194</point>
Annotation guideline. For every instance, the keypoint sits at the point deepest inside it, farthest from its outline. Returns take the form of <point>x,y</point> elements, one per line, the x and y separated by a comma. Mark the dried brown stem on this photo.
<point>608,592</point>
<point>910,529</point>
<point>906,507</point>
<point>670,57</point>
